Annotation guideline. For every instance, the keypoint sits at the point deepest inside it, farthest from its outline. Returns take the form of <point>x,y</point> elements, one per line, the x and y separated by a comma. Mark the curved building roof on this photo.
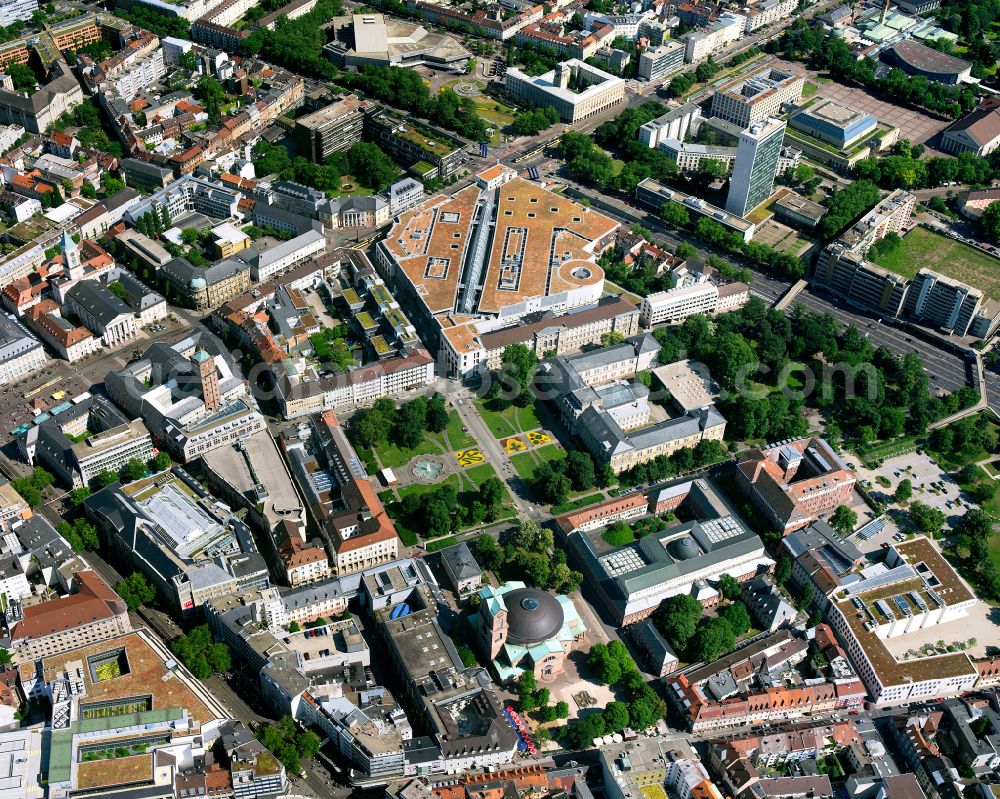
<point>919,59</point>
<point>532,616</point>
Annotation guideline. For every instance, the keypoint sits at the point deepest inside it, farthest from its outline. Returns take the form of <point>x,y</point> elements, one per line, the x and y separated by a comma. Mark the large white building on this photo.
<point>661,62</point>
<point>20,352</point>
<point>575,89</point>
<point>767,12</point>
<point>87,439</point>
<point>675,124</point>
<point>699,45</point>
<point>914,589</point>
<point>756,96</point>
<point>632,581</point>
<point>21,263</point>
<point>140,75</point>
<point>12,11</point>
<point>264,265</point>
<point>697,296</point>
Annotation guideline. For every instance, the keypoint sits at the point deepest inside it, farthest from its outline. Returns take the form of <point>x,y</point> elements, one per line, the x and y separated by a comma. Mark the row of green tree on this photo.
<point>905,168</point>
<point>705,453</point>
<point>403,426</point>
<point>200,654</point>
<point>157,21</point>
<point>869,392</point>
<point>405,88</point>
<point>297,44</point>
<point>364,161</point>
<point>288,743</point>
<point>528,553</point>
<point>535,120</point>
<point>553,480</point>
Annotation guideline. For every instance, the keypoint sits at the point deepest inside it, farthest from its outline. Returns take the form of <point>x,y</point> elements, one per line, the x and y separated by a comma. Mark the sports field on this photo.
<point>923,249</point>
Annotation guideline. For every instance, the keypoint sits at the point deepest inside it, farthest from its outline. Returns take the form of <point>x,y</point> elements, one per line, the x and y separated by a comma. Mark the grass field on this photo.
<point>526,463</point>
<point>808,90</point>
<point>432,444</point>
<point>479,475</point>
<point>508,422</point>
<point>456,437</point>
<point>922,248</point>
<point>392,456</point>
<point>614,288</point>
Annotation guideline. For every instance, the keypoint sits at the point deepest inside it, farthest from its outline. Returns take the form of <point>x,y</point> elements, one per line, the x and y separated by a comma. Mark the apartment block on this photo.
<point>12,11</point>
<point>757,96</point>
<point>942,301</point>
<point>332,129</point>
<point>661,62</point>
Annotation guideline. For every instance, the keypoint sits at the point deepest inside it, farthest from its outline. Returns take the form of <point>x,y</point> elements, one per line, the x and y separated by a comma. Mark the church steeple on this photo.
<point>71,255</point>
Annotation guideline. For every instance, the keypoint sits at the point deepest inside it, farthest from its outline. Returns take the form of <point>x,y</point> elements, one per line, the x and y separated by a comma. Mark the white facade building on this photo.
<point>661,62</point>
<point>9,134</point>
<point>676,305</point>
<point>141,75</point>
<point>277,259</point>
<point>21,263</point>
<point>12,11</point>
<point>767,12</point>
<point>927,592</point>
<point>20,352</point>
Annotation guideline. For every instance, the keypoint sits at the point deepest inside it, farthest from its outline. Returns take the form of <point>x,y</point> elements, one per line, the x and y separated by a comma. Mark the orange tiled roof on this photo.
<point>93,601</point>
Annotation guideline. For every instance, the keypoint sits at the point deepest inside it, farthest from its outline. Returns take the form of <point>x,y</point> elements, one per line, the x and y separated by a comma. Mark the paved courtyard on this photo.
<point>980,624</point>
<point>918,128</point>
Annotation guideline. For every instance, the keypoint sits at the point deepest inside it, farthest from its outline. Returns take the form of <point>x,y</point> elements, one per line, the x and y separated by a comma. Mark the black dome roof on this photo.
<point>683,548</point>
<point>532,615</point>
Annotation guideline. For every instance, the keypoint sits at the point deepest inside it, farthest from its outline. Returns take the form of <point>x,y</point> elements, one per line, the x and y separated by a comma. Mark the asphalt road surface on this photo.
<point>945,370</point>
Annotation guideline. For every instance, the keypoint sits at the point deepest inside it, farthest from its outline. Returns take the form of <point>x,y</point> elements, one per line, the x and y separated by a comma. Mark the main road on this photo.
<point>946,370</point>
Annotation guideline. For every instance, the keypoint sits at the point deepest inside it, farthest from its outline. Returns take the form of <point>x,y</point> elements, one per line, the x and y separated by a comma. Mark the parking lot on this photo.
<point>57,378</point>
<point>918,128</point>
<point>930,485</point>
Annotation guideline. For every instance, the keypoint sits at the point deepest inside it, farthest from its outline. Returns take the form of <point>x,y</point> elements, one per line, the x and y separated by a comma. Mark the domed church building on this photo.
<point>527,629</point>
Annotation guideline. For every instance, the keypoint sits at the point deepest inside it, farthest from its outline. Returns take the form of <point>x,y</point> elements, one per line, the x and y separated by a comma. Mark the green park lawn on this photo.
<point>455,436</point>
<point>394,457</point>
<point>921,248</point>
<point>509,422</point>
<point>418,489</point>
<point>525,463</point>
<point>479,475</point>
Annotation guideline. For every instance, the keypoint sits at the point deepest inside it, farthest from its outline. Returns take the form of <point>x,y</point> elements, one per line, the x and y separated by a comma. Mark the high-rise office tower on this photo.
<point>756,165</point>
